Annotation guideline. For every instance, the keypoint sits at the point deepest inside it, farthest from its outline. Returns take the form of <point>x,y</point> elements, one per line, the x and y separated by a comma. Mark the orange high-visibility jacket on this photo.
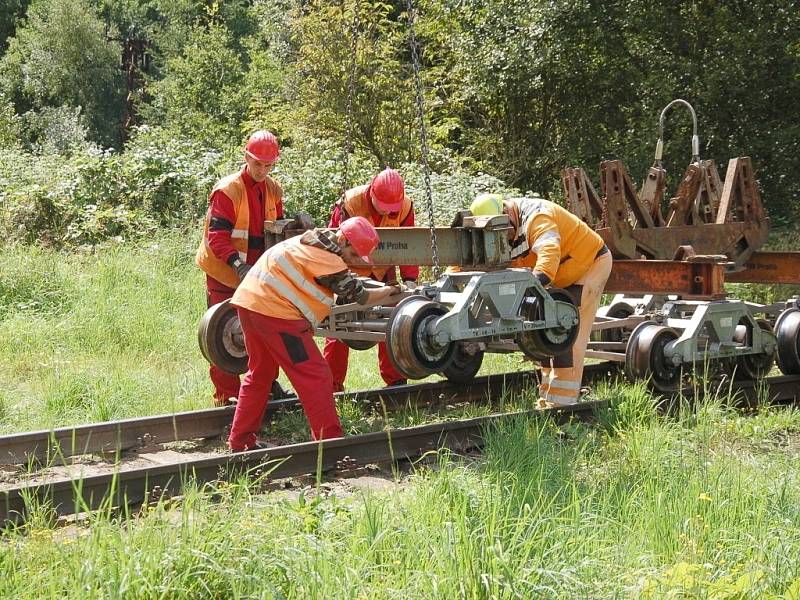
<point>356,204</point>
<point>552,240</point>
<point>282,283</point>
<point>234,188</point>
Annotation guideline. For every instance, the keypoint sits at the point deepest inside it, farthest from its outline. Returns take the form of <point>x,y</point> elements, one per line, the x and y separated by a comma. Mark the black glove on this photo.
<point>458,220</point>
<point>241,268</point>
<point>304,221</point>
<point>543,279</point>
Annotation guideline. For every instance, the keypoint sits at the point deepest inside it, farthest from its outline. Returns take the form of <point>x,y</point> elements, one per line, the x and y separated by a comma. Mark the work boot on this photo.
<point>542,404</point>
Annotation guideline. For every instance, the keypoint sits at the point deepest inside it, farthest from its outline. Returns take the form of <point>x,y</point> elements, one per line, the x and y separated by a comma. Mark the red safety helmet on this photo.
<point>263,146</point>
<point>362,236</point>
<point>387,191</point>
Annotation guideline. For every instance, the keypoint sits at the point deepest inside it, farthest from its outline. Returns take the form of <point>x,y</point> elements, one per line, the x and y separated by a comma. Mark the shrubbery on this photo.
<point>93,196</point>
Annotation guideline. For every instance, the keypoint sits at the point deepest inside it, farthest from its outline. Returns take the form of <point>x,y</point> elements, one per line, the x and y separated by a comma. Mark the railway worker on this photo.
<point>563,251</point>
<point>287,292</point>
<point>383,202</point>
<point>233,235</point>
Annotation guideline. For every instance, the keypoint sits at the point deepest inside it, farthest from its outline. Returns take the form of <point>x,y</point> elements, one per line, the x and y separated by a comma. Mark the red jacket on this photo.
<point>222,209</point>
<point>407,272</point>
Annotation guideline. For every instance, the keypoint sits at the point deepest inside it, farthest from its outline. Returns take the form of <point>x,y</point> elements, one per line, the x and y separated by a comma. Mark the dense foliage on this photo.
<point>116,116</point>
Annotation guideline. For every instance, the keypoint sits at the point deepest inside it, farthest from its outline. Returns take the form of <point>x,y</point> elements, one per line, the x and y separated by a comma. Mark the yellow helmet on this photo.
<point>487,205</point>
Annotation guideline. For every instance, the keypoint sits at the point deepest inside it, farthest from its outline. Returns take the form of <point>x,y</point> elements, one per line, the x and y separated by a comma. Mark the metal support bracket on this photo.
<point>489,305</point>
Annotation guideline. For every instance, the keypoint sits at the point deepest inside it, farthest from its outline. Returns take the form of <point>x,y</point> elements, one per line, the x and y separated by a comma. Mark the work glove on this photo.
<point>543,279</point>
<point>410,284</point>
<point>458,220</point>
<point>305,221</point>
<point>241,268</point>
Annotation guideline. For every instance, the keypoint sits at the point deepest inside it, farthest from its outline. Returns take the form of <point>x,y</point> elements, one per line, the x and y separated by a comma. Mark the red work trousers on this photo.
<point>336,354</point>
<point>226,385</point>
<point>288,344</point>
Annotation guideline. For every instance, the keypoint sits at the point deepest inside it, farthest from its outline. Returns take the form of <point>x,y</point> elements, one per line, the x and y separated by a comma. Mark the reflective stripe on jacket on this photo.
<point>553,241</point>
<point>233,187</point>
<point>282,283</point>
<point>356,204</point>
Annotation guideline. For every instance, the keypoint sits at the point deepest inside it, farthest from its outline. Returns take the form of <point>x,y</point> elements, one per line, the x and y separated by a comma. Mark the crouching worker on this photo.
<point>287,292</point>
<point>563,251</point>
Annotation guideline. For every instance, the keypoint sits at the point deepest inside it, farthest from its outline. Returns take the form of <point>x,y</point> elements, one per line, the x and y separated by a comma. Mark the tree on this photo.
<point>534,86</point>
<point>383,101</point>
<point>203,96</point>
<point>60,57</point>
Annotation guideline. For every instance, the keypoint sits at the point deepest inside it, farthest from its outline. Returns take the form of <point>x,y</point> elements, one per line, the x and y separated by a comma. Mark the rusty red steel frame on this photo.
<point>769,267</point>
<point>709,217</point>
<point>690,280</point>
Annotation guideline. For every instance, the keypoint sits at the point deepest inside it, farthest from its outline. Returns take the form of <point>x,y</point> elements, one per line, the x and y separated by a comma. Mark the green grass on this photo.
<point>704,504</point>
<point>95,336</point>
<point>113,334</point>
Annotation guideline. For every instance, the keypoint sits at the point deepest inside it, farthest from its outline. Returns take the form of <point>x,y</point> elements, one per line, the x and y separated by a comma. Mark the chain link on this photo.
<point>347,146</point>
<point>423,135</point>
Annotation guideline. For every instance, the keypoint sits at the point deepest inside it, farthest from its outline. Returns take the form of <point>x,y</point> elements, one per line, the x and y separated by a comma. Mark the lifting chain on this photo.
<point>347,147</point>
<point>423,136</point>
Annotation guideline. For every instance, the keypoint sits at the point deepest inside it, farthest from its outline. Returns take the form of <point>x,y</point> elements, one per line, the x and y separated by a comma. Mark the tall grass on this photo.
<point>701,507</point>
<point>112,333</point>
<point>99,335</point>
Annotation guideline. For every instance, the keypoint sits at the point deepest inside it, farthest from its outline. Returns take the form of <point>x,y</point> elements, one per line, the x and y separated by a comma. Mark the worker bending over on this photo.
<point>281,299</point>
<point>233,234</point>
<point>384,204</point>
<point>563,251</point>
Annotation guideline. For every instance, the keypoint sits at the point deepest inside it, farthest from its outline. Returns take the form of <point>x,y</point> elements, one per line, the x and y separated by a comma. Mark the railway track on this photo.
<point>135,484</point>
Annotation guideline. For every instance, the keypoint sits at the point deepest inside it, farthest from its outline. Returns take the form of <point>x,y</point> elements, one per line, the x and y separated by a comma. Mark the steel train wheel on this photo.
<point>644,357</point>
<point>409,346</point>
<point>360,344</point>
<point>752,366</point>
<point>221,339</point>
<point>544,344</point>
<point>464,365</point>
<point>620,310</point>
<point>787,330</point>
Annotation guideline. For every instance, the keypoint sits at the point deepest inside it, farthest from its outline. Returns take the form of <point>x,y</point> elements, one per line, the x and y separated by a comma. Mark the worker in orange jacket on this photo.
<point>288,291</point>
<point>233,233</point>
<point>563,251</point>
<point>383,202</point>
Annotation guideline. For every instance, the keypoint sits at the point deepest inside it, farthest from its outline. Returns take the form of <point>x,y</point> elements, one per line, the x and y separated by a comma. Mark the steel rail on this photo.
<point>136,486</point>
<point>133,487</point>
<point>125,434</point>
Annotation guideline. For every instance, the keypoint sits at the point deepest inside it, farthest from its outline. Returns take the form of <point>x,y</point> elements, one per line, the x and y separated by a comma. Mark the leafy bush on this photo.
<point>163,181</point>
<point>10,123</point>
<point>311,176</point>
<point>99,195</point>
<point>59,130</point>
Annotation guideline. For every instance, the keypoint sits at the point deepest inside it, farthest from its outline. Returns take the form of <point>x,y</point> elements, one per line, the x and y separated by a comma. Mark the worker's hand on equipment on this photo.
<point>241,268</point>
<point>303,220</point>
<point>410,285</point>
<point>543,279</point>
<point>458,220</point>
<point>378,295</point>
